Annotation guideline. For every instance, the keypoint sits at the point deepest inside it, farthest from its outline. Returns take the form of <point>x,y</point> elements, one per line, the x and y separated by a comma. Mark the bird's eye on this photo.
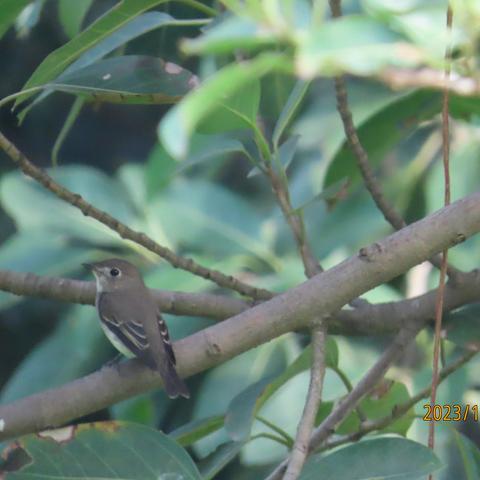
<point>114,272</point>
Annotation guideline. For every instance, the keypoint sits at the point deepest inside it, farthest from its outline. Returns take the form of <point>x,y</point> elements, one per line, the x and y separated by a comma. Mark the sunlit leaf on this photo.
<point>181,121</point>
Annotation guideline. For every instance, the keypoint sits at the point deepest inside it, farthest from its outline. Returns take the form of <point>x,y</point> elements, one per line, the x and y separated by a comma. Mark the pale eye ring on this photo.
<point>114,272</point>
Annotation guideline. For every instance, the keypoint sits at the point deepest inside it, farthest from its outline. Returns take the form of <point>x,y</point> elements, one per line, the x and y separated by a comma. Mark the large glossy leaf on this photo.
<point>75,348</point>
<point>206,216</point>
<point>232,377</point>
<point>382,457</point>
<point>182,120</point>
<point>57,61</point>
<point>107,450</point>
<point>9,11</point>
<point>243,408</point>
<point>129,79</point>
<point>133,29</point>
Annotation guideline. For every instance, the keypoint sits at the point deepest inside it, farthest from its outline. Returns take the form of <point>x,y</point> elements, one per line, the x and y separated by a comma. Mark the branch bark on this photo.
<point>377,319</point>
<point>321,295</point>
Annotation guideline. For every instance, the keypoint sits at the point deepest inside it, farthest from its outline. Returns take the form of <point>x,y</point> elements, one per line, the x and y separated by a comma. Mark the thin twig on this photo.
<point>443,270</point>
<point>299,451</point>
<point>177,261</point>
<point>399,410</point>
<point>312,267</point>
<point>361,156</point>
<point>365,385</point>
<point>295,221</point>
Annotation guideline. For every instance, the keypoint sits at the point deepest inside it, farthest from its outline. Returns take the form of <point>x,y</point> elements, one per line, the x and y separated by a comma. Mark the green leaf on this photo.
<point>57,61</point>
<point>463,326</point>
<point>72,14</point>
<point>243,408</point>
<point>355,44</point>
<point>75,348</point>
<point>134,28</point>
<point>206,216</point>
<point>197,429</point>
<point>211,147</point>
<point>129,79</point>
<point>181,121</point>
<point>231,378</point>
<point>381,457</point>
<point>106,450</point>
<point>382,131</point>
<point>31,205</point>
<point>469,456</point>
<point>239,111</point>
<point>9,11</point>
<point>229,34</point>
<point>289,110</point>
<point>218,459</point>
<point>378,404</point>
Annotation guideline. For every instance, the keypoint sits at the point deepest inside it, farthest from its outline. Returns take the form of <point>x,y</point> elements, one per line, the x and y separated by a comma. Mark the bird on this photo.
<point>132,321</point>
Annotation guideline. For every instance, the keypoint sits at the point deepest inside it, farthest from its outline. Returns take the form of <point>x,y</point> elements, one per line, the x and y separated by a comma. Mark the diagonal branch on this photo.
<point>177,261</point>
<point>321,295</point>
<point>365,385</point>
<point>361,156</point>
<point>400,410</point>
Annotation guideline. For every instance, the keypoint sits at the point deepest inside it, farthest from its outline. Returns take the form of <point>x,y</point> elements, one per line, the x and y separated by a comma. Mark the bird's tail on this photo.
<point>173,384</point>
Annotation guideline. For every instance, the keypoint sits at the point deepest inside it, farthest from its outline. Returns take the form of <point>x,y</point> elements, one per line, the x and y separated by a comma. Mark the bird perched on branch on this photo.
<point>132,321</point>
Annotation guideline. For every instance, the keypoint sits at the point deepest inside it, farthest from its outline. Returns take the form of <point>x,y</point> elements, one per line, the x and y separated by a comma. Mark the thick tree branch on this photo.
<point>321,295</point>
<point>177,261</point>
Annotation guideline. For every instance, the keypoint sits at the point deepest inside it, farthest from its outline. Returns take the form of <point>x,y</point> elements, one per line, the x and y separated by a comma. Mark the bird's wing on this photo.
<point>132,333</point>
<point>162,326</point>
